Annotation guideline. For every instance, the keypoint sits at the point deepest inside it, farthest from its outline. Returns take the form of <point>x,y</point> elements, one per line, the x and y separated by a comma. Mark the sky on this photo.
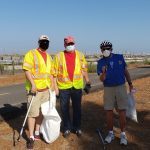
<point>125,23</point>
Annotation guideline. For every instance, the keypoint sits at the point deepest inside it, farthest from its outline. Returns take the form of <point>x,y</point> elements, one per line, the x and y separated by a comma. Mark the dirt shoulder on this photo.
<point>6,80</point>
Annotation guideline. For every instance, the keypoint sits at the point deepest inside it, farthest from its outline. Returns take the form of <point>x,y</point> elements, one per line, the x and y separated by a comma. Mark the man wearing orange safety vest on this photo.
<point>37,66</point>
<point>70,68</point>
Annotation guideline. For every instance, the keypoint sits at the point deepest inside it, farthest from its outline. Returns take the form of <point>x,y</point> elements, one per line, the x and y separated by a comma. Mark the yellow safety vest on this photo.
<point>40,71</point>
<point>60,71</point>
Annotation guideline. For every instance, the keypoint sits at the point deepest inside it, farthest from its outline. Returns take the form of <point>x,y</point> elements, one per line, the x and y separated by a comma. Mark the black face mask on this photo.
<point>44,44</point>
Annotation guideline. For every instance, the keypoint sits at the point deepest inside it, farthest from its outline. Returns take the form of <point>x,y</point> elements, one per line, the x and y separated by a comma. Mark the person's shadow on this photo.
<point>14,116</point>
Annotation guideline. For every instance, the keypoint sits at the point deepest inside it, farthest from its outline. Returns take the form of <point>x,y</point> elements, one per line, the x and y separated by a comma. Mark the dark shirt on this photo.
<point>115,69</point>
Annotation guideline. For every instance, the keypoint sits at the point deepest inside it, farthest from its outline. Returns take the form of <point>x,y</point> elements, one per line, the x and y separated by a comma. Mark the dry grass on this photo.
<point>6,80</point>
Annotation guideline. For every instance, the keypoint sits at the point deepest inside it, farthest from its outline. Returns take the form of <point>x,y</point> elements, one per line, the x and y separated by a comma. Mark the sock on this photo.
<point>123,133</point>
<point>32,137</point>
<point>37,133</point>
<point>111,132</point>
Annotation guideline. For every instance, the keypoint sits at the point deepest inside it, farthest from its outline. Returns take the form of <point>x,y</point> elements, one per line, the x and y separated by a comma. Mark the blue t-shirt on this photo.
<point>115,69</point>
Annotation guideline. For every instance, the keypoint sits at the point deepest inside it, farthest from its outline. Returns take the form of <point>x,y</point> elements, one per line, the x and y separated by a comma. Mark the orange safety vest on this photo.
<point>40,71</point>
<point>63,80</point>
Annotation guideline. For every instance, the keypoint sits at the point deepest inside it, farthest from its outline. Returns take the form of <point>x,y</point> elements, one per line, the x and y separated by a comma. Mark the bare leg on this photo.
<point>39,120</point>
<point>31,125</point>
<point>122,120</point>
<point>109,119</point>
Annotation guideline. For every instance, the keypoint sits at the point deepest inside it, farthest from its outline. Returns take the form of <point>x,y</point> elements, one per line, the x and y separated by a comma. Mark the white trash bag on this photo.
<point>50,127</point>
<point>131,109</point>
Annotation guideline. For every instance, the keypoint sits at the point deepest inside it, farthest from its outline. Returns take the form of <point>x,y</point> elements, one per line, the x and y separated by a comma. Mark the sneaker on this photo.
<point>78,133</point>
<point>37,137</point>
<point>123,139</point>
<point>66,133</point>
<point>30,143</point>
<point>109,137</point>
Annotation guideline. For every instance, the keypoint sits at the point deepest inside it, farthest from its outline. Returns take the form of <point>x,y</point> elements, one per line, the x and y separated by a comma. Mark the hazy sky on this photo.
<point>125,23</point>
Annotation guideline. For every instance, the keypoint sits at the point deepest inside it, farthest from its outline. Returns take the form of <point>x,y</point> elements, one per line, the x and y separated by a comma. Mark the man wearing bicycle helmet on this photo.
<point>113,72</point>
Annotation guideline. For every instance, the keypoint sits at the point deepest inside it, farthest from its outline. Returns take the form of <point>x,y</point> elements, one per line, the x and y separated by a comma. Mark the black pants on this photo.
<point>75,95</point>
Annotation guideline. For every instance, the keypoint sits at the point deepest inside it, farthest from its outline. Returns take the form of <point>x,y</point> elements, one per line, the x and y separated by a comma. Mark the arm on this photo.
<point>29,77</point>
<point>56,87</point>
<point>85,74</point>
<point>128,78</point>
<point>103,74</point>
<point>86,77</point>
<point>54,74</point>
<point>101,70</point>
<point>27,67</point>
<point>88,83</point>
<point>84,68</point>
<point>52,83</point>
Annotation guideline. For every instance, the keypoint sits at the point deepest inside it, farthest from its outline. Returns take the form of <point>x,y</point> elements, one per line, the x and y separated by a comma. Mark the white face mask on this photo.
<point>106,53</point>
<point>70,48</point>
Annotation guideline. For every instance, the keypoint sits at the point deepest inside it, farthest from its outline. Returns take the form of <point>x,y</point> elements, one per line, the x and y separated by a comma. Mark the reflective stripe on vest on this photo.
<point>40,71</point>
<point>43,76</point>
<point>37,75</point>
<point>63,80</point>
<point>67,79</point>
<point>27,65</point>
<point>36,62</point>
<point>77,76</point>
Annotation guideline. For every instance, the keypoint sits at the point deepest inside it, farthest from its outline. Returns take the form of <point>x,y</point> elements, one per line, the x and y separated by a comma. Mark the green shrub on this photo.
<point>1,68</point>
<point>147,62</point>
<point>92,68</point>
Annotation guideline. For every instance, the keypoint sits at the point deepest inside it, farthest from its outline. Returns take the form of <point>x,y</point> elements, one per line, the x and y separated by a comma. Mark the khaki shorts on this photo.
<point>40,98</point>
<point>115,97</point>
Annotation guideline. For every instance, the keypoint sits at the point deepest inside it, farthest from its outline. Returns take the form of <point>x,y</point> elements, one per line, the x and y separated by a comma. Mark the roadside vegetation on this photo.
<point>147,61</point>
<point>1,68</point>
<point>93,67</point>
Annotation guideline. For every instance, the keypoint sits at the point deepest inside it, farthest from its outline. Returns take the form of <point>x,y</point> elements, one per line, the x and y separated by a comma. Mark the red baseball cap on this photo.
<point>69,39</point>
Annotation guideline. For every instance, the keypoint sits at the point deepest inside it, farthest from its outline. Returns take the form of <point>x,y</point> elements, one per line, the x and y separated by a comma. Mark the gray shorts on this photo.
<point>115,97</point>
<point>40,98</point>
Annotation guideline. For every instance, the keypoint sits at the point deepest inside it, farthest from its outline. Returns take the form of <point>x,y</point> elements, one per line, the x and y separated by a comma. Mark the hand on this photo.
<point>33,89</point>
<point>57,93</point>
<point>56,90</point>
<point>31,93</point>
<point>87,87</point>
<point>103,74</point>
<point>130,88</point>
<point>104,69</point>
<point>52,87</point>
<point>57,97</point>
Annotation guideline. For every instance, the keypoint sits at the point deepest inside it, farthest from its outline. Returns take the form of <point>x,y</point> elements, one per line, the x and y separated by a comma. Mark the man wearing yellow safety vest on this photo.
<point>70,68</point>
<point>37,66</point>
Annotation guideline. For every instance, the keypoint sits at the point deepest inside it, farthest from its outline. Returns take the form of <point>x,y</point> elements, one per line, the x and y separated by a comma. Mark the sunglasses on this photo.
<point>43,41</point>
<point>70,44</point>
<point>106,48</point>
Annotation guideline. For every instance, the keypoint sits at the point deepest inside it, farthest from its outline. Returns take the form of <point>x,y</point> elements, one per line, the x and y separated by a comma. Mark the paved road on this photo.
<point>15,94</point>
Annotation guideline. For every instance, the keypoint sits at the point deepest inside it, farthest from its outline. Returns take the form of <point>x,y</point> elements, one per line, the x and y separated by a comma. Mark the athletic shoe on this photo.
<point>66,133</point>
<point>78,133</point>
<point>30,143</point>
<point>109,137</point>
<point>37,137</point>
<point>123,139</point>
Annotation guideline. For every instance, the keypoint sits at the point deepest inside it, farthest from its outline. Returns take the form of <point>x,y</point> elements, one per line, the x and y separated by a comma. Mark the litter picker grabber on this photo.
<point>21,131</point>
<point>101,138</point>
